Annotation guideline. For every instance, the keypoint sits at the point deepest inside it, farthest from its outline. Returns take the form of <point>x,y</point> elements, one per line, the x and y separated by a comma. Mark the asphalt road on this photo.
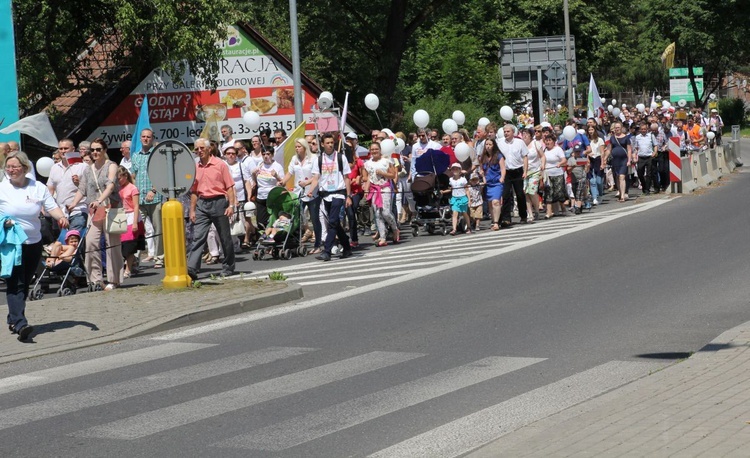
<point>435,361</point>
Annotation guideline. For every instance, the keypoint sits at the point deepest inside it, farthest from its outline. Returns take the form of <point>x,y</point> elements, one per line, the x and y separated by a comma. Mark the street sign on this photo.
<point>556,73</point>
<point>171,168</point>
<point>522,58</point>
<point>555,92</point>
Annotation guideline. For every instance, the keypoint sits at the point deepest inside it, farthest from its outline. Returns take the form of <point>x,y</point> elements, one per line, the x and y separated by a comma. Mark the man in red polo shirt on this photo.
<point>212,201</point>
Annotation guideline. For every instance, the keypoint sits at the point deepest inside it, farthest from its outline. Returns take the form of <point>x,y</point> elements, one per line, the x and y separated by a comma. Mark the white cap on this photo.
<point>351,135</point>
<point>455,164</point>
<point>714,110</point>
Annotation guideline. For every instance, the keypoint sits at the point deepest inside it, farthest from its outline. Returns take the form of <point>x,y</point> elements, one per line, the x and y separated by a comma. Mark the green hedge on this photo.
<point>733,112</point>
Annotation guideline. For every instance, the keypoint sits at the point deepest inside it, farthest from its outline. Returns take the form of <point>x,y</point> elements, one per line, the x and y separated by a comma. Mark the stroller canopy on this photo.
<point>281,200</point>
<point>432,161</point>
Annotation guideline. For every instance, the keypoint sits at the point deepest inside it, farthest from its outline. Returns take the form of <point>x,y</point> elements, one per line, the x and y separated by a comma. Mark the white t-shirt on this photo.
<point>61,178</point>
<point>535,160</point>
<point>596,147</point>
<point>23,206</point>
<point>514,152</point>
<point>458,187</point>
<point>265,180</point>
<point>302,170</point>
<point>330,179</point>
<point>239,173</point>
<point>553,157</point>
<point>252,161</point>
<point>373,166</point>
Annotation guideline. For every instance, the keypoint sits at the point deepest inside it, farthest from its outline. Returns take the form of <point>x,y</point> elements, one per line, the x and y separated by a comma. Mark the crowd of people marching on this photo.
<point>527,170</point>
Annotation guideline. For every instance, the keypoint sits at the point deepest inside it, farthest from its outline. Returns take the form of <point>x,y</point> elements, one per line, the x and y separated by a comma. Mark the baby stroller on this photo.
<point>284,244</point>
<point>70,276</point>
<point>433,209</point>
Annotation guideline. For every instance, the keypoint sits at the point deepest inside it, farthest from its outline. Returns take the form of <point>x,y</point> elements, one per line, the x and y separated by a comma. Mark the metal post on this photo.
<point>296,74</point>
<point>568,59</point>
<point>540,116</point>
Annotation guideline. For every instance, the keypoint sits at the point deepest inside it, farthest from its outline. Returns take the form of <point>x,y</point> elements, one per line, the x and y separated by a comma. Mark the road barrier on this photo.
<point>699,169</point>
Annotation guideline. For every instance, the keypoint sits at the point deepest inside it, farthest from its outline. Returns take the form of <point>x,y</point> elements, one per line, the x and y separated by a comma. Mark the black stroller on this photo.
<point>69,275</point>
<point>433,210</point>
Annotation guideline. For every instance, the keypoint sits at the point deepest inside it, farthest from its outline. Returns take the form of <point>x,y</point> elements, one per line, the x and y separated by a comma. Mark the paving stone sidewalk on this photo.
<point>85,319</point>
<point>699,407</point>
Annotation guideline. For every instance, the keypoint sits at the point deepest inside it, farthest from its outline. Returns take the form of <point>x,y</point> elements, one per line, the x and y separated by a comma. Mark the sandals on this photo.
<point>382,243</point>
<point>452,232</point>
<point>396,236</point>
<point>213,260</point>
<point>316,250</point>
<point>495,227</point>
<point>245,246</point>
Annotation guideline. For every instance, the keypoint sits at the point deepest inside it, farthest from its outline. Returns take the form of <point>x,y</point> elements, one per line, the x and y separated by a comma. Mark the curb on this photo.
<point>175,320</point>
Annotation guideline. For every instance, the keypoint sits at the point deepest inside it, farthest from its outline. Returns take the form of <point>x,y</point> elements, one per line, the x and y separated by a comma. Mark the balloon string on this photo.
<point>376,115</point>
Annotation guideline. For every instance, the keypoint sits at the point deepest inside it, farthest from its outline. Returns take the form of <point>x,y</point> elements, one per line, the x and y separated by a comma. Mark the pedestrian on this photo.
<point>212,201</point>
<point>63,181</point>
<point>377,179</point>
<point>21,202</point>
<point>331,179</point>
<point>459,190</point>
<point>598,160</point>
<point>534,174</point>
<point>516,168</point>
<point>492,168</point>
<point>476,189</point>
<point>554,177</point>
<point>620,150</point>
<point>578,168</point>
<point>133,239</point>
<point>151,201</point>
<point>300,172</point>
<point>265,177</point>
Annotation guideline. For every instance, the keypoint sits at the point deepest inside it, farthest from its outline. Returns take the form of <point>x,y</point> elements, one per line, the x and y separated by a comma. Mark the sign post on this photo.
<point>171,168</point>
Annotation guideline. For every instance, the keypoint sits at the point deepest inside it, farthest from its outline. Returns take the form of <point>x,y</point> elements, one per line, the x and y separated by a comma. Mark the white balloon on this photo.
<point>400,145</point>
<point>569,133</point>
<point>506,113</point>
<point>449,126</point>
<point>459,117</point>
<point>604,101</point>
<point>658,97</point>
<point>610,108</point>
<point>44,166</point>
<point>613,102</point>
<point>325,100</point>
<point>712,96</point>
<point>559,107</point>
<point>372,101</point>
<point>388,132</point>
<point>387,147</point>
<point>421,118</point>
<point>581,131</point>
<point>462,151</point>
<point>624,106</point>
<point>545,124</point>
<point>666,105</point>
<point>710,135</point>
<point>252,119</point>
<point>615,112</point>
<point>654,105</point>
<point>641,107</point>
<point>483,122</point>
<point>682,102</point>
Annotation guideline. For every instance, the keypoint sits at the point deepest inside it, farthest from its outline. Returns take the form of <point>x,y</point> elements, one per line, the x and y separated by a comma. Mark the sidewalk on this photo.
<point>696,407</point>
<point>86,319</point>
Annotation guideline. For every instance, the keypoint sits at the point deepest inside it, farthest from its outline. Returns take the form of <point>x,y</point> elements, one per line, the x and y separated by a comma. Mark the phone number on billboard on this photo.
<point>288,126</point>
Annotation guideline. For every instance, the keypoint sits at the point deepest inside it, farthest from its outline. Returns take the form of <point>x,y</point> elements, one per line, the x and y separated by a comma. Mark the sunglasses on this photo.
<point>97,149</point>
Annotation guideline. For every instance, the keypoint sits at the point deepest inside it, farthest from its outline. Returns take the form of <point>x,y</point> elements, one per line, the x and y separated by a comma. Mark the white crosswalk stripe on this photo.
<point>347,414</point>
<point>167,418</point>
<point>466,434</point>
<point>49,408</point>
<point>105,363</point>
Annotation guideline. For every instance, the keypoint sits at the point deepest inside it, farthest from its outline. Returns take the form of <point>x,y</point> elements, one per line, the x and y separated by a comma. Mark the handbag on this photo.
<point>238,226</point>
<point>116,221</point>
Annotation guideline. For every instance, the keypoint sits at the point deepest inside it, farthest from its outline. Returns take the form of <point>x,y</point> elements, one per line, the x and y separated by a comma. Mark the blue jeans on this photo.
<point>351,214</point>
<point>597,186</point>
<point>78,222</point>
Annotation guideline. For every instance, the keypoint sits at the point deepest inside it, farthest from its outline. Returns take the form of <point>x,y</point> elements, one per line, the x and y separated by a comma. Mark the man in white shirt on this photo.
<point>63,181</point>
<point>226,134</point>
<point>125,150</point>
<point>516,166</point>
<point>330,175</point>
<point>646,149</point>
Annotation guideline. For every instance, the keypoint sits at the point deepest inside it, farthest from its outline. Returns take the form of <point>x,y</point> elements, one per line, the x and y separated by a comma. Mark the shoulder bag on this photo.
<point>115,219</point>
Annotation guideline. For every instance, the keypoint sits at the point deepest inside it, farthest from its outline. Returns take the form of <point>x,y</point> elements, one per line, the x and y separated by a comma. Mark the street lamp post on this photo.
<point>296,74</point>
<point>568,59</point>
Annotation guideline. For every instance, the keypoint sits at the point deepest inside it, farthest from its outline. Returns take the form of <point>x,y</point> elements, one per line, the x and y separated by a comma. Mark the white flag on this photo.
<point>36,126</point>
<point>595,106</point>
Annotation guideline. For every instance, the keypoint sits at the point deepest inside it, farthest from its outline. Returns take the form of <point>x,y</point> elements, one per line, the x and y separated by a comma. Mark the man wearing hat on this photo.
<point>359,151</point>
<point>63,183</point>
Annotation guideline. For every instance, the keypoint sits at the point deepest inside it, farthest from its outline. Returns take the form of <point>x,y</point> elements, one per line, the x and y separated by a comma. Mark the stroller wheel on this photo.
<point>415,231</point>
<point>430,230</point>
<point>36,294</point>
<point>256,255</point>
<point>444,231</point>
<point>287,254</point>
<point>66,292</point>
<point>275,253</point>
<point>302,251</point>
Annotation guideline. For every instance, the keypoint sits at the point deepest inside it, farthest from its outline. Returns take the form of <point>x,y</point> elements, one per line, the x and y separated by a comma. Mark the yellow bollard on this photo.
<point>173,238</point>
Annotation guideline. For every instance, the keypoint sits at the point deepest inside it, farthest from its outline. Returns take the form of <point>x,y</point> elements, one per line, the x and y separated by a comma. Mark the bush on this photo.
<point>732,112</point>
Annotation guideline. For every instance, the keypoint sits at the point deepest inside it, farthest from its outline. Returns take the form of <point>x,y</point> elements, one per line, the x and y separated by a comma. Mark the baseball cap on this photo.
<point>455,165</point>
<point>351,135</point>
<point>714,110</point>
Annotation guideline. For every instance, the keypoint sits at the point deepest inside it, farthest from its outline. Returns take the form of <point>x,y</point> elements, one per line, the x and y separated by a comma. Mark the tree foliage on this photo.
<point>59,43</point>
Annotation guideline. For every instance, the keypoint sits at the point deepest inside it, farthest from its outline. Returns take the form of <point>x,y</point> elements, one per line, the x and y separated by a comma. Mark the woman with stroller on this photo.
<point>100,186</point>
<point>266,176</point>
<point>377,177</point>
<point>300,169</point>
<point>21,202</point>
<point>492,167</point>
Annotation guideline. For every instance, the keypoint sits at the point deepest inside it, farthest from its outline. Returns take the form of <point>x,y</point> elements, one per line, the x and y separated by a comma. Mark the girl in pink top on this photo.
<point>134,235</point>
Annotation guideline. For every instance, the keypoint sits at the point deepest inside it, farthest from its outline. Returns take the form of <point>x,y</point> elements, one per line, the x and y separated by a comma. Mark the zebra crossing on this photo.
<point>404,385</point>
<point>443,252</point>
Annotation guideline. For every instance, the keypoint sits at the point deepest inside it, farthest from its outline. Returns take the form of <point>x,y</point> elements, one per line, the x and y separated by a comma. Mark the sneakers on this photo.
<point>595,202</point>
<point>323,257</point>
<point>25,332</point>
<point>346,253</point>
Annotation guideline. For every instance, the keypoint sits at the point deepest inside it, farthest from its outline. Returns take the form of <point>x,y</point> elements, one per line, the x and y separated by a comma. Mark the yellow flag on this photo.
<point>285,152</point>
<point>667,57</point>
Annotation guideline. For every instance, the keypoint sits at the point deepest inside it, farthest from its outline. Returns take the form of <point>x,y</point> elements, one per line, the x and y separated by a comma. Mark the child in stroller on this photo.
<point>64,265</point>
<point>282,224</point>
<point>62,255</point>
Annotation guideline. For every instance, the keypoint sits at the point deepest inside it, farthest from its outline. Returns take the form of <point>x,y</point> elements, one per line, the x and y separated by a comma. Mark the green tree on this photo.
<point>57,42</point>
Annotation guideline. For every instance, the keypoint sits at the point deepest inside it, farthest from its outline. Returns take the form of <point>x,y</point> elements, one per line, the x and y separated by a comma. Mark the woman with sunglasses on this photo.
<point>100,186</point>
<point>300,170</point>
<point>266,176</point>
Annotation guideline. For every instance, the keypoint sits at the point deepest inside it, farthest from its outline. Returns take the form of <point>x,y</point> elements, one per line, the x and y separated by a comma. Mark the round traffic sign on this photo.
<point>168,156</point>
